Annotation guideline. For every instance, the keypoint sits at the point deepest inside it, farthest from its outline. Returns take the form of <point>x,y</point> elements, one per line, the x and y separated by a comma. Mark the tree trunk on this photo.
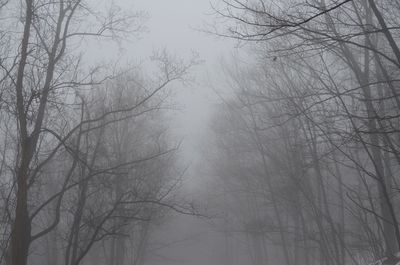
<point>21,232</point>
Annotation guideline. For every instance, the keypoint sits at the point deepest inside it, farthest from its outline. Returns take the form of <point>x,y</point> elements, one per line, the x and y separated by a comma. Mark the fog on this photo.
<point>191,132</point>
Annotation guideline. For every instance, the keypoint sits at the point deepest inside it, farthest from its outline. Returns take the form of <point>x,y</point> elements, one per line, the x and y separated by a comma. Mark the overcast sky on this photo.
<point>174,25</point>
<point>171,25</point>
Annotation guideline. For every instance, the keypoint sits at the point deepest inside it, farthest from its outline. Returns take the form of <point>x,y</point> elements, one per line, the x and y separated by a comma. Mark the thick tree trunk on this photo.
<point>21,231</point>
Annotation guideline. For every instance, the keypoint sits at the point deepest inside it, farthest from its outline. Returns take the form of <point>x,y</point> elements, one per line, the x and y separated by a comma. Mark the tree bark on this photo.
<point>21,231</point>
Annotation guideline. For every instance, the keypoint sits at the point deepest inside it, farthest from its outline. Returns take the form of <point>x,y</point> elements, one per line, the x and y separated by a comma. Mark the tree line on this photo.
<point>87,166</point>
<point>307,144</point>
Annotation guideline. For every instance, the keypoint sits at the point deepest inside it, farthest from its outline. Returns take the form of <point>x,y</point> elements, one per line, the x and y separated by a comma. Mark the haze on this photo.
<point>191,132</point>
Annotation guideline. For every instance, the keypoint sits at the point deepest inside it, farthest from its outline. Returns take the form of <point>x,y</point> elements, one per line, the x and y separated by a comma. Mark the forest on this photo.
<point>291,156</point>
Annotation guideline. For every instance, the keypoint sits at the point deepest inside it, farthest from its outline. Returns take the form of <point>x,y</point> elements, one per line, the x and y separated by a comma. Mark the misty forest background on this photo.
<point>297,163</point>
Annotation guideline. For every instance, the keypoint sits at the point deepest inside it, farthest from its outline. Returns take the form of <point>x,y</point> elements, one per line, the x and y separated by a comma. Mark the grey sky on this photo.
<point>172,25</point>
